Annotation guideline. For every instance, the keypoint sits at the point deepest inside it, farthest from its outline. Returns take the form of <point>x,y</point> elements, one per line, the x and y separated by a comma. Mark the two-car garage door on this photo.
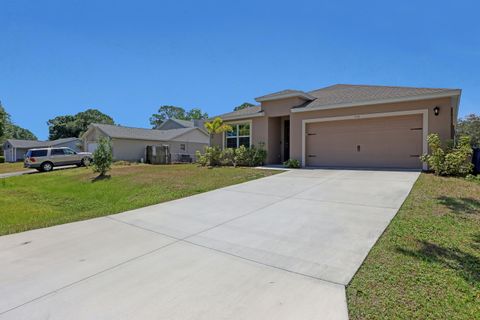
<point>388,142</point>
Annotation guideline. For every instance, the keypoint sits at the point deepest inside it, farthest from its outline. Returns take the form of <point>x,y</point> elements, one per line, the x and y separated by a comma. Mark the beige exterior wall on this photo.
<point>440,124</point>
<point>281,107</point>
<point>268,130</point>
<point>274,154</point>
<point>134,150</point>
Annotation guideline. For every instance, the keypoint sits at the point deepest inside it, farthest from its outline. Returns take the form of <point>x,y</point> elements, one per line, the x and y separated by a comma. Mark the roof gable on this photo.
<point>121,132</point>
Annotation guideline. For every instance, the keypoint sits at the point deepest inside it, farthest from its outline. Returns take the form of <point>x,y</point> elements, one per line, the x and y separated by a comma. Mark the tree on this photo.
<point>216,126</point>
<point>9,130</point>
<point>243,106</point>
<point>167,112</point>
<point>196,114</point>
<point>68,126</point>
<point>3,119</point>
<point>470,126</point>
<point>173,112</point>
<point>102,157</point>
<point>12,131</point>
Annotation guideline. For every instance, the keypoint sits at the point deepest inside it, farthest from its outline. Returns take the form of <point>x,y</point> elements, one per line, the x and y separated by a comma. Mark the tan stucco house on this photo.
<point>346,125</point>
<point>130,143</point>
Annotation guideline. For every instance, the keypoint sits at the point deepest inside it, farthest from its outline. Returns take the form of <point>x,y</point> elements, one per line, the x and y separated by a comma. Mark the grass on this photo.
<point>46,199</point>
<point>427,263</point>
<point>11,167</point>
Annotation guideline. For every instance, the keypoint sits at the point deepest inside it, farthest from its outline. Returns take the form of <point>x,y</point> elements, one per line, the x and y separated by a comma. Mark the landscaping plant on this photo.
<point>241,156</point>
<point>292,163</point>
<point>450,160</point>
<point>102,157</point>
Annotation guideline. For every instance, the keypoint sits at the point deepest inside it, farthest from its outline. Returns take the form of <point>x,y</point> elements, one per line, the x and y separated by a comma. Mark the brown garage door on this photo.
<point>390,142</point>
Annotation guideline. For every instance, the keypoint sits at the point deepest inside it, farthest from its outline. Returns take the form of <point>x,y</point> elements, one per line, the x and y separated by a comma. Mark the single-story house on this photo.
<point>173,123</point>
<point>15,149</point>
<point>346,125</point>
<point>130,144</point>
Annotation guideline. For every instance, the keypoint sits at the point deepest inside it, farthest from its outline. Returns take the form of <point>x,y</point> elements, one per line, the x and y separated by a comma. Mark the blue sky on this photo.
<point>128,58</point>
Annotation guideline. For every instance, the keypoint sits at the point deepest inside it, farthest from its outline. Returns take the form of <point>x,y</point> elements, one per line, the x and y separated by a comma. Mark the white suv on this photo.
<point>44,159</point>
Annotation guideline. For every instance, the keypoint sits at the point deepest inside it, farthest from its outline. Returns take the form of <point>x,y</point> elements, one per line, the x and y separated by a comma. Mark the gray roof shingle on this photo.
<point>250,111</point>
<point>29,144</point>
<point>140,133</point>
<point>347,93</point>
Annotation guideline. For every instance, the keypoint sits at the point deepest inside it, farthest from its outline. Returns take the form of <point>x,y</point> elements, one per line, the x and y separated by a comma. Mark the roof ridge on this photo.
<point>384,86</point>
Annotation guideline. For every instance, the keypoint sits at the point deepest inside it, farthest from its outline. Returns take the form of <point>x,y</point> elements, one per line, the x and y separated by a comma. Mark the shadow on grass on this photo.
<point>461,205</point>
<point>465,264</point>
<point>101,178</point>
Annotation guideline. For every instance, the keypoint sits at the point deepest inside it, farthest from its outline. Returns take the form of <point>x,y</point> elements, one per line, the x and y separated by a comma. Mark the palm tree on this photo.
<point>216,126</point>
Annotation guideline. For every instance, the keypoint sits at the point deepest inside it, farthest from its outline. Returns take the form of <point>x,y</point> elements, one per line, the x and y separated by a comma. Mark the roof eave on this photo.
<point>450,93</point>
<point>302,95</point>
<point>247,116</point>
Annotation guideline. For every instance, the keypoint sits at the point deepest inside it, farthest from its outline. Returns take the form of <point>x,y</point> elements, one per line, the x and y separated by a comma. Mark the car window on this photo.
<point>38,153</point>
<point>69,151</point>
<point>57,152</point>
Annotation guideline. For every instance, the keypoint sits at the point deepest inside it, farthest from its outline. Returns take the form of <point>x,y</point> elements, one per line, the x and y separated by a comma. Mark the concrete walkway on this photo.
<point>281,247</point>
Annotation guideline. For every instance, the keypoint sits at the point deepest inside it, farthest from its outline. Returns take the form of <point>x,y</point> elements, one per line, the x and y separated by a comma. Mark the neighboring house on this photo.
<point>14,150</point>
<point>130,143</point>
<point>346,125</point>
<point>178,124</point>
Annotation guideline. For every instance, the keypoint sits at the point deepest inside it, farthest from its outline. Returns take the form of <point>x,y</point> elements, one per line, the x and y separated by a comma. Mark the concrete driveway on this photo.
<point>281,247</point>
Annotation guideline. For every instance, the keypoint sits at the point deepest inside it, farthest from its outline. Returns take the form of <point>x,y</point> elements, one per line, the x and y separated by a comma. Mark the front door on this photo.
<point>286,140</point>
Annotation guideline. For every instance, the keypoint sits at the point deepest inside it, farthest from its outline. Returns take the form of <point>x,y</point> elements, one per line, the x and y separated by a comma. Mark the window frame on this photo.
<point>237,137</point>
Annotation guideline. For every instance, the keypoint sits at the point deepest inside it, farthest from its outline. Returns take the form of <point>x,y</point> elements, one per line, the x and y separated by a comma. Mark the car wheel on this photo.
<point>47,166</point>
<point>86,161</point>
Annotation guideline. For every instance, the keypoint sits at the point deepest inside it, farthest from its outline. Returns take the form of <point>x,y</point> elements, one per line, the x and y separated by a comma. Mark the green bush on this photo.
<point>210,158</point>
<point>292,163</point>
<point>241,156</point>
<point>450,160</point>
<point>2,159</point>
<point>102,157</point>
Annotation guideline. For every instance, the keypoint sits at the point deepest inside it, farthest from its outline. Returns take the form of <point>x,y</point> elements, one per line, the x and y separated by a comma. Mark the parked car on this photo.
<point>45,159</point>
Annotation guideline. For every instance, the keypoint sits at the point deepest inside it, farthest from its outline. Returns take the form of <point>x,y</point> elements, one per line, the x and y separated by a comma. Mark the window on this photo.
<point>182,147</point>
<point>37,153</point>
<point>239,136</point>
<point>69,151</point>
<point>57,152</point>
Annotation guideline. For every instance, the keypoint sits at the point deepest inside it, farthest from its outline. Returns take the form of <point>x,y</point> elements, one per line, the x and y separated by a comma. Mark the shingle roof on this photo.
<point>24,144</point>
<point>241,113</point>
<point>184,123</point>
<point>16,143</point>
<point>284,93</point>
<point>347,93</point>
<point>60,141</point>
<point>140,133</point>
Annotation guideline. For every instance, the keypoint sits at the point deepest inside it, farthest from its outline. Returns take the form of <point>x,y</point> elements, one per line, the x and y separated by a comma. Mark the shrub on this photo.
<point>451,160</point>
<point>292,163</point>
<point>2,159</point>
<point>102,157</point>
<point>242,156</point>
<point>210,158</point>
<point>227,157</point>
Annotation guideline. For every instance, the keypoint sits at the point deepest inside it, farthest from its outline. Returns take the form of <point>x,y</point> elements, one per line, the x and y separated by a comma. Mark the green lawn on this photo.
<point>11,167</point>
<point>46,199</point>
<point>427,263</point>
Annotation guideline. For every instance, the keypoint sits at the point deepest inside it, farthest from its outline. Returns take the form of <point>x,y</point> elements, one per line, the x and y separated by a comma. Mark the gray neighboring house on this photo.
<point>14,149</point>
<point>130,144</point>
<point>179,124</point>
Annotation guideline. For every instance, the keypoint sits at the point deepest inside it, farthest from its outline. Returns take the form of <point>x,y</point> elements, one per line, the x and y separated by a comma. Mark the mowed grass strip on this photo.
<point>8,167</point>
<point>46,199</point>
<point>427,263</point>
